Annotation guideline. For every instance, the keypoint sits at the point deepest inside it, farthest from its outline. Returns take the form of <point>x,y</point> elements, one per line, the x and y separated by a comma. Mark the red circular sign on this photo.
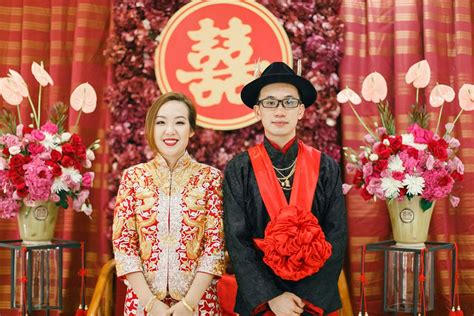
<point>209,51</point>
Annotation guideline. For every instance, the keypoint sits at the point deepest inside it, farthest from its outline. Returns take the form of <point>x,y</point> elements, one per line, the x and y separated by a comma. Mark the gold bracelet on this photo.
<point>150,304</point>
<point>188,307</point>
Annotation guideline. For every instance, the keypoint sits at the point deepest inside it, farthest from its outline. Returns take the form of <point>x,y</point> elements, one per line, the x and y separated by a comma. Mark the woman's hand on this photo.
<point>180,310</point>
<point>160,309</point>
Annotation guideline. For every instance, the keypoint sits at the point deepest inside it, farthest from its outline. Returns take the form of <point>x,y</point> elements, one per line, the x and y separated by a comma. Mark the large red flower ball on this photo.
<point>294,245</point>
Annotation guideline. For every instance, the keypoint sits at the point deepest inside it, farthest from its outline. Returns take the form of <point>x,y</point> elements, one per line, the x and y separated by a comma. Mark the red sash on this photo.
<point>294,246</point>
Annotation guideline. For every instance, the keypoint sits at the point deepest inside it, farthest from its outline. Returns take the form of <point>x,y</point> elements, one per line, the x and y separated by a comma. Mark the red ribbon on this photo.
<point>294,245</point>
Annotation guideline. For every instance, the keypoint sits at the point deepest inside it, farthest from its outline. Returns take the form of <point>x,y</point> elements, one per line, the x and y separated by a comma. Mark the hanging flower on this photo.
<point>419,74</point>
<point>466,97</point>
<point>374,88</point>
<point>84,98</point>
<point>10,91</point>
<point>41,75</point>
<point>348,95</point>
<point>441,93</point>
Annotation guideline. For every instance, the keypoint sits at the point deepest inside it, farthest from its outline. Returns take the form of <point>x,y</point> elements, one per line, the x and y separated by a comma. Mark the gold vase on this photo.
<point>36,223</point>
<point>410,223</point>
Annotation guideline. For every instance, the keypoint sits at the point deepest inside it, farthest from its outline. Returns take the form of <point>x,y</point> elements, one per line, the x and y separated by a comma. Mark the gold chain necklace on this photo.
<point>285,180</point>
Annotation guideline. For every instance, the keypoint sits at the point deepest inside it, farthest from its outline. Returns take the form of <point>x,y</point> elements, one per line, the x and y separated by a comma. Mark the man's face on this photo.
<point>279,123</point>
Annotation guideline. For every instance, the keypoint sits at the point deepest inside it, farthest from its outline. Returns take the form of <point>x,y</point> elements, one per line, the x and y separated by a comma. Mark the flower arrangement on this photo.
<point>420,162</point>
<point>40,163</point>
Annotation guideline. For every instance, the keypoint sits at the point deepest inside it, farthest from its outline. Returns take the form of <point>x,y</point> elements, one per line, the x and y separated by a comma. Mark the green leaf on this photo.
<point>58,115</point>
<point>62,199</point>
<point>7,122</point>
<point>424,204</point>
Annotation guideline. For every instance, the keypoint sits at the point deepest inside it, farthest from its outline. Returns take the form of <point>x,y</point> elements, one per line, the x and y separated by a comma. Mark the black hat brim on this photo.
<point>251,91</point>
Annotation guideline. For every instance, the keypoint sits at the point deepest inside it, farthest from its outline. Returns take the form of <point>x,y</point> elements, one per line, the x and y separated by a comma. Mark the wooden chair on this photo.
<point>102,299</point>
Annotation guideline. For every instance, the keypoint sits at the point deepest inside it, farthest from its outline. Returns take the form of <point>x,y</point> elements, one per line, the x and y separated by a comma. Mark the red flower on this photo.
<point>55,155</point>
<point>395,143</point>
<point>403,192</point>
<point>27,130</point>
<point>55,168</point>
<point>439,149</point>
<point>294,245</point>
<point>398,175</point>
<point>412,152</point>
<point>80,152</point>
<point>358,179</point>
<point>67,161</point>
<point>457,176</point>
<point>17,161</point>
<point>365,194</point>
<point>68,149</point>
<point>380,165</point>
<point>382,151</point>
<point>5,151</point>
<point>444,181</point>
<point>15,177</point>
<point>22,190</point>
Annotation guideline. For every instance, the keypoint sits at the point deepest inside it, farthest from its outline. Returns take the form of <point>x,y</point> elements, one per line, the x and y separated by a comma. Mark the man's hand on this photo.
<point>286,304</point>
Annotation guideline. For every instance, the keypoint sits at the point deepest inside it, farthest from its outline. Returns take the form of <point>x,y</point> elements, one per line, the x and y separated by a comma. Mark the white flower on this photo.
<point>58,185</point>
<point>90,154</point>
<point>414,184</point>
<point>386,142</point>
<point>65,137</point>
<point>391,187</point>
<point>14,150</point>
<point>373,157</point>
<point>395,164</point>
<point>409,140</point>
<point>73,173</point>
<point>87,209</point>
<point>51,141</point>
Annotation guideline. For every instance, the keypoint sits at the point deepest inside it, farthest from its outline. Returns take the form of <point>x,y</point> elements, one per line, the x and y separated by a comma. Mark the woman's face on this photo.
<point>172,130</point>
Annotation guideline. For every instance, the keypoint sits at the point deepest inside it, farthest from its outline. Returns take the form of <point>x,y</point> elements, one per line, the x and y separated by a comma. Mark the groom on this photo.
<point>284,212</point>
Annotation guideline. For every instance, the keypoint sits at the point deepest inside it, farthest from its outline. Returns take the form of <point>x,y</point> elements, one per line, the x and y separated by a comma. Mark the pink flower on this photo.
<point>454,200</point>
<point>35,148</point>
<point>54,197</point>
<point>367,170</point>
<point>381,131</point>
<point>369,139</point>
<point>87,179</point>
<point>50,128</point>
<point>422,136</point>
<point>350,168</point>
<point>37,135</point>
<point>79,200</point>
<point>8,207</point>
<point>438,184</point>
<point>38,179</point>
<point>346,188</point>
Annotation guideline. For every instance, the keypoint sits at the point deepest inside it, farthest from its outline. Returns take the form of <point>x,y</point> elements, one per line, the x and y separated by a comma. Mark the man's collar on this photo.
<point>285,148</point>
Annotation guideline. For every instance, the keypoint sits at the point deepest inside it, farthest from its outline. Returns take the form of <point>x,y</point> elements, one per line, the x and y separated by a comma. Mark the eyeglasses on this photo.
<point>272,103</point>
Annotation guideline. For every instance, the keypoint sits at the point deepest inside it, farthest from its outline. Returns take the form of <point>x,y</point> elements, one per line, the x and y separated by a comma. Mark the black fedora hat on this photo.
<point>278,72</point>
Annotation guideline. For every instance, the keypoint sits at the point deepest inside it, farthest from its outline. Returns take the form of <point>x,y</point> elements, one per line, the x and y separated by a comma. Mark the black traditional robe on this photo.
<point>245,218</point>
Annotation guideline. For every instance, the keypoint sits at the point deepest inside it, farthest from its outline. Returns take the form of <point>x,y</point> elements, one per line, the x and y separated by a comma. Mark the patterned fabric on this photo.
<point>168,225</point>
